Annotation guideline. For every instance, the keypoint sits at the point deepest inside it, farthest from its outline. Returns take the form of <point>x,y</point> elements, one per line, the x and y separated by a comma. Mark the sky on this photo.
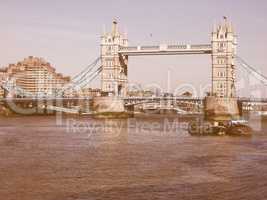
<point>67,34</point>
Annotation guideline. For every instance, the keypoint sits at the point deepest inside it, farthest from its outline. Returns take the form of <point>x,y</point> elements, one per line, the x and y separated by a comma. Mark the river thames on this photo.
<point>79,158</point>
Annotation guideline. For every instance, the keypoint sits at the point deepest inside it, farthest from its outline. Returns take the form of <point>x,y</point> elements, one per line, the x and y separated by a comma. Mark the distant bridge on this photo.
<point>130,100</point>
<point>138,100</point>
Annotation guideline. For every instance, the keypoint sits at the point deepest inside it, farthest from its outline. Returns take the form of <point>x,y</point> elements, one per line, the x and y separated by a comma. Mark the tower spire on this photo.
<point>225,19</point>
<point>114,27</point>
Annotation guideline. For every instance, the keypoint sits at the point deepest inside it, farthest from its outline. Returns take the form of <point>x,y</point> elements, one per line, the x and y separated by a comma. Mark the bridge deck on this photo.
<point>259,100</point>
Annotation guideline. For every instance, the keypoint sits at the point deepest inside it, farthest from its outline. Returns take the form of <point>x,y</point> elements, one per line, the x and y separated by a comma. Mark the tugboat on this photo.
<point>232,128</point>
<point>205,127</point>
<point>238,128</point>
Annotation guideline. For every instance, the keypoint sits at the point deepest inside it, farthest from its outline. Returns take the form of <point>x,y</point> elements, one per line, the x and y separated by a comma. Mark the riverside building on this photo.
<point>35,76</point>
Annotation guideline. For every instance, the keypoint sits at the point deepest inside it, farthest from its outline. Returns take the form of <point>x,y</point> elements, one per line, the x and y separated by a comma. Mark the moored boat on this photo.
<point>238,128</point>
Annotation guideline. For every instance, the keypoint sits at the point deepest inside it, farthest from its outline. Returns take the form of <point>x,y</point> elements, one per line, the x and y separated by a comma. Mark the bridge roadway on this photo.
<point>129,100</point>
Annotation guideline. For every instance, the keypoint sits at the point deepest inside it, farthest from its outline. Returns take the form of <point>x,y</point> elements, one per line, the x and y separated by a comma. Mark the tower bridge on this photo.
<point>112,66</point>
<point>115,53</point>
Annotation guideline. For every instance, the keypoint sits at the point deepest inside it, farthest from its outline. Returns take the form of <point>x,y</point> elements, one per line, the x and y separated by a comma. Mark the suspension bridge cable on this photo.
<point>92,79</point>
<point>245,64</point>
<point>73,86</point>
<point>88,77</point>
<point>87,68</point>
<point>248,68</point>
<point>94,75</point>
<point>255,75</point>
<point>85,75</point>
<point>80,80</point>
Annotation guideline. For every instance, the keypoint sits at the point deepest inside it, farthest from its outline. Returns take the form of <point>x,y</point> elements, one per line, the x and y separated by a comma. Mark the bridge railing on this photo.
<point>200,46</point>
<point>249,99</point>
<point>177,47</point>
<point>149,47</point>
<point>131,48</point>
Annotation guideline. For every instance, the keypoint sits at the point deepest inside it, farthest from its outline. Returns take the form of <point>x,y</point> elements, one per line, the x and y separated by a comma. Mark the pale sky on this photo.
<point>67,34</point>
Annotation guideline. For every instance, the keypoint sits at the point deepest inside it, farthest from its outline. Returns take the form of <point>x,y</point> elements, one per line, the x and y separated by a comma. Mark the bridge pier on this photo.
<point>221,109</point>
<point>108,104</point>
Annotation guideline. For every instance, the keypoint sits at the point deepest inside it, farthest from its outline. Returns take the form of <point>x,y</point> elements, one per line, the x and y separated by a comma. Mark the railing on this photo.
<point>132,48</point>
<point>149,47</point>
<point>201,46</point>
<point>177,47</point>
<point>249,99</point>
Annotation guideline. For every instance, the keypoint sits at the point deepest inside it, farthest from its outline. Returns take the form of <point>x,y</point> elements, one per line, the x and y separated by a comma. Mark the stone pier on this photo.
<point>221,109</point>
<point>108,104</point>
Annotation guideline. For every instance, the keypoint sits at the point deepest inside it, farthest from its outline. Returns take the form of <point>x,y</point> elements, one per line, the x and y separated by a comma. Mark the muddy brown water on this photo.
<point>79,158</point>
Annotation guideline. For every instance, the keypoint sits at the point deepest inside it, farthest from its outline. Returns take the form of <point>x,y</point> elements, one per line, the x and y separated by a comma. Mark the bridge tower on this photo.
<point>223,55</point>
<point>114,75</point>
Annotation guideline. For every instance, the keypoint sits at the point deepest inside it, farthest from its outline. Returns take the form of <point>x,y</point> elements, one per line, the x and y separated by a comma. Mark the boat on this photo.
<point>239,128</point>
<point>204,128</point>
<point>232,128</point>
